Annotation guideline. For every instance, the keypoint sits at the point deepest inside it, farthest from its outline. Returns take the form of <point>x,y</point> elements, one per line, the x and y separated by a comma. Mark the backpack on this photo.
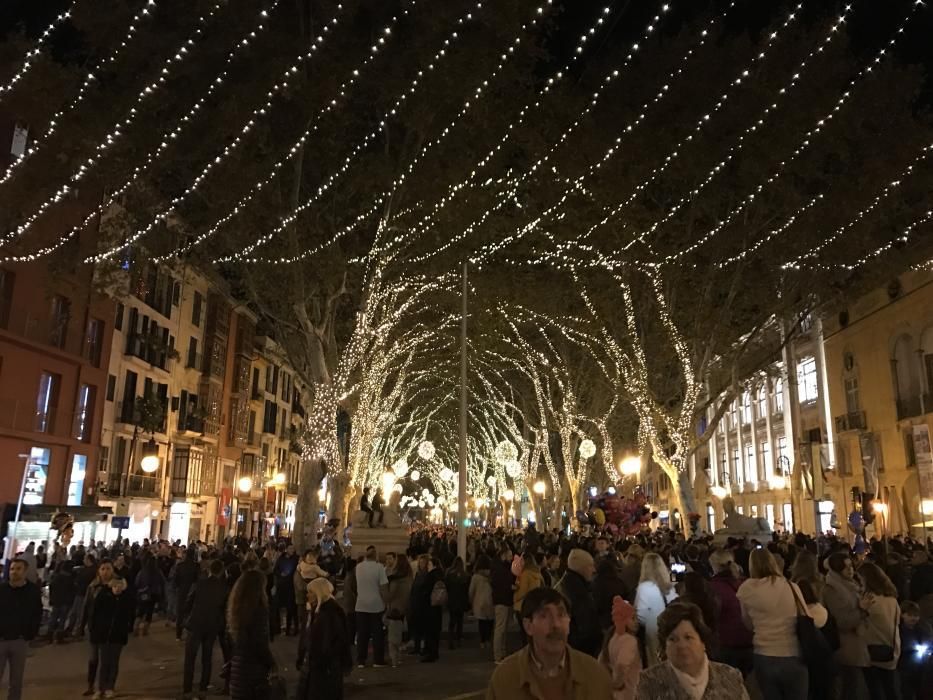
<point>439,595</point>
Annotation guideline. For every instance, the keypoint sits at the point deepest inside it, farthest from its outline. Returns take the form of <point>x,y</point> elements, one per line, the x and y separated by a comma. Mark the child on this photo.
<point>916,648</point>
<point>620,651</point>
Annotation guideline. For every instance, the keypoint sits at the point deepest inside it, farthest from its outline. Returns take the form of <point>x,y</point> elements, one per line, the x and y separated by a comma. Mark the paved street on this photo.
<point>150,668</point>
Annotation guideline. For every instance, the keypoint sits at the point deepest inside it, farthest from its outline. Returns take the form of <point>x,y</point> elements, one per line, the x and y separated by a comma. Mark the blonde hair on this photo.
<point>721,560</point>
<point>322,590</point>
<point>761,564</point>
<point>655,570</point>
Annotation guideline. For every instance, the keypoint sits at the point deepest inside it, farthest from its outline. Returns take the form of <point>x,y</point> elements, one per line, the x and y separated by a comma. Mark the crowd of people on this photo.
<point>650,616</point>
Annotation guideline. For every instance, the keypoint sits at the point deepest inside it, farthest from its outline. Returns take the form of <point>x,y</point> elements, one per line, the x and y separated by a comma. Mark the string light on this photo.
<point>29,60</point>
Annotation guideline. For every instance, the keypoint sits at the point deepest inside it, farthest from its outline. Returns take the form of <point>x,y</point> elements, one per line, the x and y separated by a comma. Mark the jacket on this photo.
<point>20,611</point>
<point>205,606</point>
<point>650,602</point>
<point>84,577</point>
<point>109,616</point>
<point>62,589</point>
<point>502,580</point>
<point>252,659</point>
<point>606,586</point>
<point>514,679</point>
<point>186,574</point>
<point>481,596</point>
<point>841,598</point>
<point>305,574</point>
<point>732,632</point>
<point>660,683</point>
<point>325,655</point>
<point>458,592</point>
<point>585,632</point>
<point>527,582</point>
<point>884,628</point>
<point>399,595</point>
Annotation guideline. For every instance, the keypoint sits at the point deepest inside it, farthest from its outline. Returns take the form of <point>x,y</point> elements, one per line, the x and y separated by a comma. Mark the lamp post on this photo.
<point>11,532</point>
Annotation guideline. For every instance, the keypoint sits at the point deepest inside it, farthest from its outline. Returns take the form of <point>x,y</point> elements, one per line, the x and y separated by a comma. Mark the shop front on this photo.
<point>89,524</point>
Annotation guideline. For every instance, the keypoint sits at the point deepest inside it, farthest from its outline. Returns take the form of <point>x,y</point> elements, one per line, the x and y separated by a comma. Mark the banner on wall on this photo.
<point>924,458</point>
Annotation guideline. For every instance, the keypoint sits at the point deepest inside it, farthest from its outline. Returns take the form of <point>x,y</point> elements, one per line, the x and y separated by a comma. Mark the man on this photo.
<point>603,549</point>
<point>547,667</point>
<point>20,616</point>
<point>585,631</point>
<point>370,510</point>
<point>205,619</point>
<point>84,576</point>
<point>377,508</point>
<point>186,575</point>
<point>502,580</point>
<point>284,570</point>
<point>372,588</point>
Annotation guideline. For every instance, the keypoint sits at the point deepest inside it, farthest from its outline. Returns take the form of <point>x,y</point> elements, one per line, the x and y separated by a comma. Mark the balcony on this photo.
<point>150,350</point>
<point>137,485</point>
<point>194,361</point>
<point>127,412</point>
<point>190,423</point>
<point>851,421</point>
<point>914,406</point>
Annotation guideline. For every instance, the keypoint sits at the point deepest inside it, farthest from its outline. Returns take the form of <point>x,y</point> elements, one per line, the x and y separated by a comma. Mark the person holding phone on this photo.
<point>110,616</point>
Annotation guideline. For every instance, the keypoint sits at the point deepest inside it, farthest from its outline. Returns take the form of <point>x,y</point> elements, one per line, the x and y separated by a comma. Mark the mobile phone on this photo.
<point>678,568</point>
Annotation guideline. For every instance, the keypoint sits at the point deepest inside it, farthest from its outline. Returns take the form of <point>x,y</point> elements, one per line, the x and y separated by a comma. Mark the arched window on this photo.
<point>907,384</point>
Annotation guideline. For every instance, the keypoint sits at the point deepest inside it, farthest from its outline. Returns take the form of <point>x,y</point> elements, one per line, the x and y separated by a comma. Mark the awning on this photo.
<point>46,511</point>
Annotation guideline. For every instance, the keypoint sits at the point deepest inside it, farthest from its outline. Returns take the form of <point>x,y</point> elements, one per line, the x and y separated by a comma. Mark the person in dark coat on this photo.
<point>457,581</point>
<point>149,591</point>
<point>61,599</point>
<point>585,631</point>
<point>252,663</point>
<point>324,655</point>
<point>110,614</point>
<point>431,615</point>
<point>84,576</point>
<point>284,570</point>
<point>607,584</point>
<point>204,620</point>
<point>416,620</point>
<point>20,617</point>
<point>185,576</point>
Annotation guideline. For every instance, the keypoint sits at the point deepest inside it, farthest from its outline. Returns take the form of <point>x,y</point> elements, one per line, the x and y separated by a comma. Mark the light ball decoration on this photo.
<point>421,504</point>
<point>426,450</point>
<point>490,481</point>
<point>446,474</point>
<point>587,448</point>
<point>509,495</point>
<point>415,475</point>
<point>425,492</point>
<point>400,467</point>
<point>513,468</point>
<point>397,488</point>
<point>506,452</point>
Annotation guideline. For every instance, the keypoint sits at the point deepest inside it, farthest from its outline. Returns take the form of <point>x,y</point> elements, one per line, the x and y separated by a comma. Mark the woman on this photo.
<point>430,614</point>
<point>400,576</point>
<point>687,673</point>
<point>882,634</point>
<point>653,594</point>
<point>457,581</point>
<point>306,571</point>
<point>324,654</point>
<point>735,639</point>
<point>252,662</point>
<point>845,601</point>
<point>416,618</point>
<point>769,608</point>
<point>696,590</point>
<point>806,568</point>
<point>109,613</point>
<point>480,595</point>
<point>529,579</point>
<point>150,590</point>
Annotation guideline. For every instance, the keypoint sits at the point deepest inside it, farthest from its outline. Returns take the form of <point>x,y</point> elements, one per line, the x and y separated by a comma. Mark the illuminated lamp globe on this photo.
<point>719,492</point>
<point>446,474</point>
<point>587,448</point>
<point>506,452</point>
<point>426,450</point>
<point>425,492</point>
<point>539,488</point>
<point>513,468</point>
<point>440,500</point>
<point>415,475</point>
<point>400,467</point>
<point>630,466</point>
<point>509,494</point>
<point>279,479</point>
<point>421,504</point>
<point>150,460</point>
<point>245,484</point>
<point>778,482</point>
<point>490,481</point>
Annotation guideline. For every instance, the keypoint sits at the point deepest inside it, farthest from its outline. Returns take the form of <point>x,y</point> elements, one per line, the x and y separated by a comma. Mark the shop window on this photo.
<point>37,473</point>
<point>76,483</point>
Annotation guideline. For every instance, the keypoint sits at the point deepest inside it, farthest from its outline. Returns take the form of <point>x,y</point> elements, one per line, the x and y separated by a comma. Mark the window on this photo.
<point>754,509</point>
<point>286,386</point>
<point>746,408</point>
<point>852,398</point>
<point>94,341</point>
<point>20,139</point>
<point>58,321</point>
<point>750,466</point>
<point>118,318</point>
<point>76,483</point>
<point>779,396</point>
<point>84,415</point>
<point>806,324</point>
<point>37,473</point>
<point>769,514</point>
<point>762,399</point>
<point>196,309</point>
<point>782,451</point>
<point>255,382</point>
<point>740,509</point>
<point>7,280</point>
<point>111,386</point>
<point>269,418</point>
<point>128,407</point>
<point>788,512</point>
<point>192,353</point>
<point>736,466</point>
<point>710,518</point>
<point>47,402</point>
<point>807,386</point>
<point>733,417</point>
<point>767,464</point>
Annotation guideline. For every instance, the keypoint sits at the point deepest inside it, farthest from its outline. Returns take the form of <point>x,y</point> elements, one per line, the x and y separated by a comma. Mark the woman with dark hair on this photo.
<point>883,635</point>
<point>417,612</point>
<point>686,671</point>
<point>252,662</point>
<point>399,573</point>
<point>429,611</point>
<point>696,590</point>
<point>457,581</point>
<point>109,613</point>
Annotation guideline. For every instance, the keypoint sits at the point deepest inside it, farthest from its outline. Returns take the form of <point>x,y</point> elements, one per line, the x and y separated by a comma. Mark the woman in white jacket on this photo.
<point>883,632</point>
<point>654,592</point>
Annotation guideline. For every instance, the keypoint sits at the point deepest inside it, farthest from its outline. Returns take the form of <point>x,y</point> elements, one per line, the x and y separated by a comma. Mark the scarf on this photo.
<point>694,686</point>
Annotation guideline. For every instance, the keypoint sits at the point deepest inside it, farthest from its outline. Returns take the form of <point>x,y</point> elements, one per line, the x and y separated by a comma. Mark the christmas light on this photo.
<point>426,450</point>
<point>30,58</point>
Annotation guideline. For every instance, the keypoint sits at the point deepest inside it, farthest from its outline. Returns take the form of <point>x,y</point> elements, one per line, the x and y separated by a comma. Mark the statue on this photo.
<point>741,526</point>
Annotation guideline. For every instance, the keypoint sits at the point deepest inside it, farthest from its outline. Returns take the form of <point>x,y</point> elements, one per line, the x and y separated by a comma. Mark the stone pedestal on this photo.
<point>391,538</point>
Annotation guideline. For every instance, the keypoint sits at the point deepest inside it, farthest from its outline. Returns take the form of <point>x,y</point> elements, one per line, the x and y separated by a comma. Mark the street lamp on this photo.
<point>630,466</point>
<point>539,488</point>
<point>509,495</point>
<point>245,484</point>
<point>150,460</point>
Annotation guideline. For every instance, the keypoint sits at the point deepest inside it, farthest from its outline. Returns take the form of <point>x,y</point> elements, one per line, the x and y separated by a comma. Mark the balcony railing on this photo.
<point>914,406</point>
<point>126,412</point>
<point>851,421</point>
<point>145,485</point>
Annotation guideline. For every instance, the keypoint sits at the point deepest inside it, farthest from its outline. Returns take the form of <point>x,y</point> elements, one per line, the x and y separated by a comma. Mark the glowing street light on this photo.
<point>509,495</point>
<point>539,488</point>
<point>630,466</point>
<point>150,460</point>
<point>279,479</point>
<point>245,484</point>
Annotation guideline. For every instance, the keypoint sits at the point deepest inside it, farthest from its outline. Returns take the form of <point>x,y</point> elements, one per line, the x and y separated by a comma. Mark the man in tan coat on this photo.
<point>548,668</point>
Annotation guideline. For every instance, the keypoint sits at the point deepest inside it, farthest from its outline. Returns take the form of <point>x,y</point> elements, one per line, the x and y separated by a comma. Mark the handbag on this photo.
<point>883,653</point>
<point>814,648</point>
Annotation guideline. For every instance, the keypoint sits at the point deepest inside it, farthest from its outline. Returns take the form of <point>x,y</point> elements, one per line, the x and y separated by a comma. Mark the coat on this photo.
<point>502,580</point>
<point>252,659</point>
<point>399,595</point>
<point>883,627</point>
<point>606,586</point>
<point>325,656</point>
<point>458,592</point>
<point>109,616</point>
<point>205,606</point>
<point>649,603</point>
<point>585,632</point>
<point>513,679</point>
<point>731,630</point>
<point>660,683</point>
<point>481,596</point>
<point>841,598</point>
<point>305,574</point>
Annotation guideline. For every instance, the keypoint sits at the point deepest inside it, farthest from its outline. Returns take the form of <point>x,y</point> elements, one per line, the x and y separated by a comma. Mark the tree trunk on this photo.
<point>341,496</point>
<point>304,535</point>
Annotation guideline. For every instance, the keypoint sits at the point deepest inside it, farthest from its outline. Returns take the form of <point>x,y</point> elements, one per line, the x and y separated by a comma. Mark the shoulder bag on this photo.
<point>884,653</point>
<point>814,648</point>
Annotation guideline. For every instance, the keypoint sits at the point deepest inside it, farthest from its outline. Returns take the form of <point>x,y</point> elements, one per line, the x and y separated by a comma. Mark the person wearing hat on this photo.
<point>585,631</point>
<point>620,651</point>
<point>548,667</point>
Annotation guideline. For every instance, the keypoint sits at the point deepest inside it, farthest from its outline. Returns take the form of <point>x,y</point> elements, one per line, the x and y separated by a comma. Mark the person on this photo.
<point>431,613</point>
<point>529,579</point>
<point>696,590</point>
<point>653,594</point>
<point>372,586</point>
<point>480,594</point>
<point>501,580</point>
<point>110,616</point>
<point>150,587</point>
<point>630,572</point>
<point>349,596</point>
<point>882,632</point>
<point>806,568</point>
<point>916,647</point>
<point>186,573</point>
<point>376,506</point>
<point>84,576</point>
<point>370,510</point>
<point>687,671</point>
<point>324,655</point>
<point>29,557</point>
<point>844,599</point>
<point>457,582</point>
<point>548,667</point>
<point>769,607</point>
<point>204,621</point>
<point>585,632</point>
<point>606,586</point>
<point>284,570</point>
<point>20,617</point>
<point>61,600</point>
<point>252,664</point>
<point>398,571</point>
<point>620,651</point>
<point>306,571</point>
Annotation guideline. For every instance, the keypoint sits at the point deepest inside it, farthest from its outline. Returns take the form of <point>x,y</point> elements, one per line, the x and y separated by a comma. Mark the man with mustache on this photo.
<point>548,668</point>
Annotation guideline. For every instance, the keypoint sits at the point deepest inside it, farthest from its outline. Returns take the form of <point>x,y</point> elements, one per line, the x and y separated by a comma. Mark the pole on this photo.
<point>11,534</point>
<point>462,486</point>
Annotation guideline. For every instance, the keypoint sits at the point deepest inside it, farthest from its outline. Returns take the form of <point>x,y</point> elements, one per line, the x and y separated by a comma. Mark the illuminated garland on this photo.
<point>30,58</point>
